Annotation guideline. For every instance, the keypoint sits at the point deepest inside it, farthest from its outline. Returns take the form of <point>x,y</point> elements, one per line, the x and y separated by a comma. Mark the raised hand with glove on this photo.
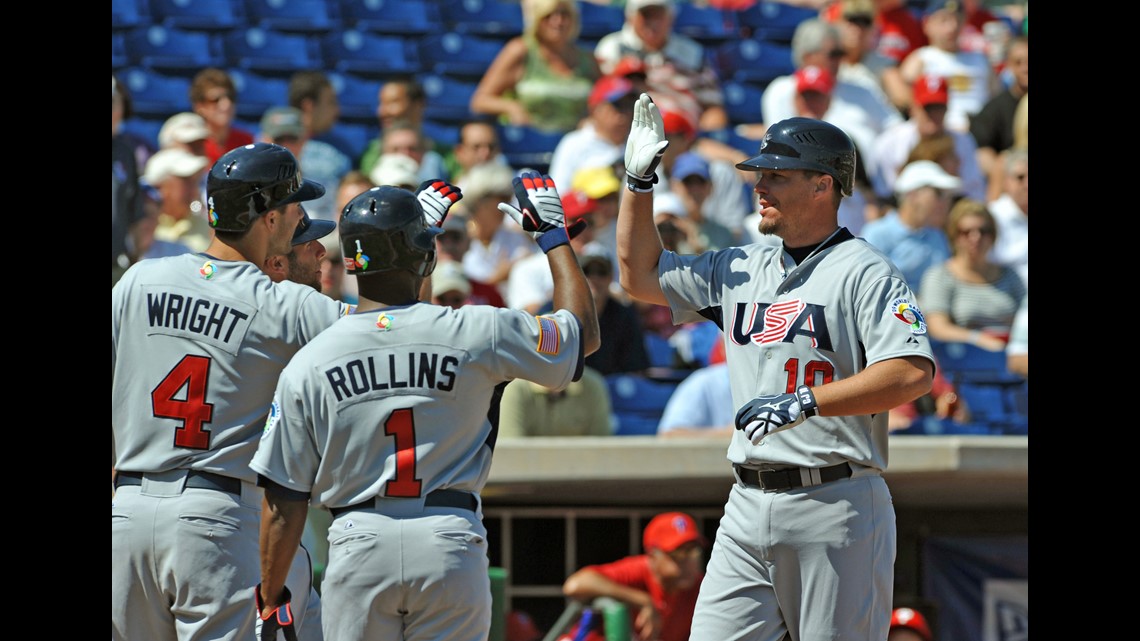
<point>645,146</point>
<point>540,211</point>
<point>773,413</point>
<point>271,620</point>
<point>436,197</point>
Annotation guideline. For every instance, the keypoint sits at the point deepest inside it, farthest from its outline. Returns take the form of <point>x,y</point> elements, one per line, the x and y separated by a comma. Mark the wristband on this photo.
<point>806,397</point>
<point>553,238</point>
<point>638,185</point>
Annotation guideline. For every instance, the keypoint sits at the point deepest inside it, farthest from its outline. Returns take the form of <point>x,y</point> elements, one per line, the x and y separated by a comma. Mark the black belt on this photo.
<point>196,479</point>
<point>776,480</point>
<point>439,498</point>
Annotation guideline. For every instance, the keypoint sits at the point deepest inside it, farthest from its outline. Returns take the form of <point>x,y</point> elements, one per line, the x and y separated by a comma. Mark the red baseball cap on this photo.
<point>678,123</point>
<point>629,66</point>
<point>912,620</point>
<point>610,89</point>
<point>812,78</point>
<point>931,90</point>
<point>671,530</point>
<point>575,204</point>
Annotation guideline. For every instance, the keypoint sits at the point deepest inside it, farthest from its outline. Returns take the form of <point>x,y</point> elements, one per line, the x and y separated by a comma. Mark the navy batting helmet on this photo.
<point>383,229</point>
<point>249,181</point>
<point>811,145</point>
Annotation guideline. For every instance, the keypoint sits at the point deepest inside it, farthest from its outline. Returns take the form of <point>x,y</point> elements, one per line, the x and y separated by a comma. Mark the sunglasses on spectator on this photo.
<point>860,21</point>
<point>836,53</point>
<point>969,231</point>
<point>218,98</point>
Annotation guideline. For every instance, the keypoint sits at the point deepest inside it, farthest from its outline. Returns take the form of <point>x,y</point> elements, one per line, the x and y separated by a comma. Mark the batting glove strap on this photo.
<point>553,238</point>
<point>806,397</point>
<point>766,415</point>
<point>639,185</point>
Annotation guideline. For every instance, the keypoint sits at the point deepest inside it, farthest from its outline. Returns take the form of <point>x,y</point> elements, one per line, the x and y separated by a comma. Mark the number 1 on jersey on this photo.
<point>401,425</point>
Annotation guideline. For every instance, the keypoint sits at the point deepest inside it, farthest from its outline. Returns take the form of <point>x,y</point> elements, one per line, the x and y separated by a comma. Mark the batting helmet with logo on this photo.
<point>383,229</point>
<point>807,144</point>
<point>246,182</point>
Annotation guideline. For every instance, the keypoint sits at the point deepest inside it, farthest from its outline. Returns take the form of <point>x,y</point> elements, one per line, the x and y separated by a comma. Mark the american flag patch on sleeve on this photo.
<point>549,340</point>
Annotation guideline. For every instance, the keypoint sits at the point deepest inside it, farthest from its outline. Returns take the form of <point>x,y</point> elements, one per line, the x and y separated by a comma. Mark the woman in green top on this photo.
<point>542,78</point>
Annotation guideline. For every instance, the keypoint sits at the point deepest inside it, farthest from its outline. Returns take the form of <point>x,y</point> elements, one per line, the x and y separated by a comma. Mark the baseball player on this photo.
<point>389,420</point>
<point>822,338</point>
<point>197,342</point>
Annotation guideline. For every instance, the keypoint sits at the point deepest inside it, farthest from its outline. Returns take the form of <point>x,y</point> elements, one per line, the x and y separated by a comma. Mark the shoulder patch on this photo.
<point>909,314</point>
<point>208,269</point>
<point>384,322</point>
<point>272,419</point>
<point>549,338</point>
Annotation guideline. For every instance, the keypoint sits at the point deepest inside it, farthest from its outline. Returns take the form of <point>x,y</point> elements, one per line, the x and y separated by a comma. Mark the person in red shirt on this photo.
<point>659,587</point>
<point>213,96</point>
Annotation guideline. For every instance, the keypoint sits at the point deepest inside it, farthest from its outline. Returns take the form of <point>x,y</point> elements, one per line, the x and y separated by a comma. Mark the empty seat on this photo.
<point>396,17</point>
<point>156,95</point>
<point>444,133</point>
<point>751,60</point>
<point>454,54</point>
<point>369,54</point>
<point>145,129</point>
<point>257,93</point>
<point>295,16</point>
<point>742,102</point>
<point>637,402</point>
<point>170,50</point>
<point>773,20</point>
<point>353,138</point>
<point>527,147</point>
<point>128,14</point>
<point>358,96</point>
<point>118,51</point>
<point>498,18</point>
<point>448,99</point>
<point>198,15</point>
<point>707,25</point>
<point>268,51</point>
<point>599,20</point>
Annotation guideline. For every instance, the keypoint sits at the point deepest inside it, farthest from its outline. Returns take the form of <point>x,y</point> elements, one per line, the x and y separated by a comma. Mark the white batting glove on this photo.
<point>540,210</point>
<point>766,415</point>
<point>436,197</point>
<point>645,146</point>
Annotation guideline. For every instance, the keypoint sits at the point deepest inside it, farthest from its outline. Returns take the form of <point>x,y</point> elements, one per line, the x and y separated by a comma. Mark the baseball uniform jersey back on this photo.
<point>196,348</point>
<point>392,414</point>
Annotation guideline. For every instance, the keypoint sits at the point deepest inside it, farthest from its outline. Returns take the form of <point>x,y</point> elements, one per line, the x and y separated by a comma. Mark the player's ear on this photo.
<point>821,186</point>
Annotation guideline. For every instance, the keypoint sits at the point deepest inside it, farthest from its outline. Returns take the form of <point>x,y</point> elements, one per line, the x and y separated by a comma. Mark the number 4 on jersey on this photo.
<point>192,372</point>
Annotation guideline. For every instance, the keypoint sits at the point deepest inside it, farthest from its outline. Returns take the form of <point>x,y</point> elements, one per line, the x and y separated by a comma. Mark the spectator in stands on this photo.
<point>495,246</point>
<point>992,127</point>
<point>213,96</point>
<point>702,403</point>
<point>449,287</point>
<point>909,625</point>
<point>862,112</point>
<point>452,245</point>
<point>186,130</point>
<point>939,149</point>
<point>541,78</point>
<point>659,587</point>
<point>406,138</point>
<point>478,144</point>
<point>971,78</point>
<point>582,409</point>
<point>623,341</point>
<point>177,175</point>
<point>1017,351</point>
<point>601,185</point>
<point>899,34</point>
<point>313,93</point>
<point>1011,211</point>
<point>677,74</point>
<point>862,63</point>
<point>690,181</point>
<point>354,183</point>
<point>941,403</point>
<point>911,234</point>
<point>603,133</point>
<point>969,298</point>
<point>678,233</point>
<point>397,170</point>
<point>319,161</point>
<point>126,200</point>
<point>928,113</point>
<point>402,101</point>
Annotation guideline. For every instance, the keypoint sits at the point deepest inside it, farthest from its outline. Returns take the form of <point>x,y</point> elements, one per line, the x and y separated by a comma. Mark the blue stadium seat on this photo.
<point>358,96</point>
<point>356,136</point>
<point>118,51</point>
<point>256,93</point>
<point>269,52</point>
<point>448,99</point>
<point>198,15</point>
<point>294,16</point>
<point>730,137</point>
<point>146,129</point>
<point>599,20</point>
<point>396,17</point>
<point>170,50</point>
<point>369,54</point>
<point>637,402</point>
<point>707,25</point>
<point>995,396</point>
<point>444,133</point>
<point>742,102</point>
<point>660,351</point>
<point>963,361</point>
<point>751,60</point>
<point>462,56</point>
<point>496,18</point>
<point>156,95</point>
<point>772,20</point>
<point>128,14</point>
<point>528,147</point>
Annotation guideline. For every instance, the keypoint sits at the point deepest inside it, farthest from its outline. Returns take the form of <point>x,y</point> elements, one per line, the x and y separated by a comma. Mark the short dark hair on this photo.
<point>307,85</point>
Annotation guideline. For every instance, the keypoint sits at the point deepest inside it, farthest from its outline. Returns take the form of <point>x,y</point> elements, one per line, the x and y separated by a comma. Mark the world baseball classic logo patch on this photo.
<point>908,313</point>
<point>549,339</point>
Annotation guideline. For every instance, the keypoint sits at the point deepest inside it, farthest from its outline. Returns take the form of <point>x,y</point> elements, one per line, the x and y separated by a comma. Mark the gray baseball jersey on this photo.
<point>197,345</point>
<point>785,325</point>
<point>401,403</point>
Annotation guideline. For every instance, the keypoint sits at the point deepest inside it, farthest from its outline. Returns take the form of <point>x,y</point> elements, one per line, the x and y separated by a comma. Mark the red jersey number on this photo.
<point>192,372</point>
<point>401,426</point>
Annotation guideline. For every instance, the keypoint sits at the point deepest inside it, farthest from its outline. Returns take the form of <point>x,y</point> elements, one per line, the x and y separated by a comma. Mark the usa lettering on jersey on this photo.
<point>765,323</point>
